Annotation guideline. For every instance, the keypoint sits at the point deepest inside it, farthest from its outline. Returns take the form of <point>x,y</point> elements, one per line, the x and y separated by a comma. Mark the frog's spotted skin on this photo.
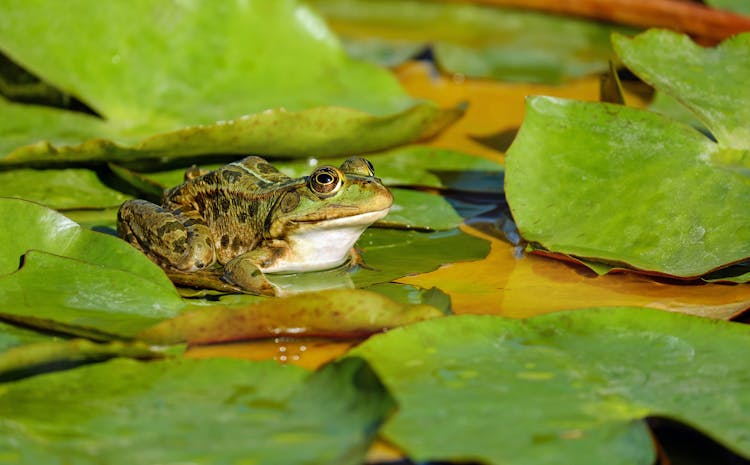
<point>253,219</point>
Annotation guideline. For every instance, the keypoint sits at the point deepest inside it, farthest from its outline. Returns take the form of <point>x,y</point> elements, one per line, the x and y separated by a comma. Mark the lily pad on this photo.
<point>471,40</point>
<point>70,276</point>
<point>391,254</point>
<point>60,189</point>
<point>569,387</point>
<point>179,80</point>
<point>573,157</point>
<point>708,81</point>
<point>344,313</point>
<point>192,411</point>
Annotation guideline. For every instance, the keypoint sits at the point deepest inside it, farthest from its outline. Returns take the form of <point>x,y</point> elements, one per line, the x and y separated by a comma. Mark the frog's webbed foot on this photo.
<point>243,272</point>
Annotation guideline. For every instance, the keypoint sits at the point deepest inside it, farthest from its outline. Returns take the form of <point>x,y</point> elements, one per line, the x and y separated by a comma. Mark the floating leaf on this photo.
<point>192,411</point>
<point>70,295</point>
<point>708,81</point>
<point>476,41</point>
<point>71,276</point>
<point>568,387</point>
<point>136,75</point>
<point>391,254</point>
<point>60,189</point>
<point>26,225</point>
<point>344,313</point>
<point>573,157</point>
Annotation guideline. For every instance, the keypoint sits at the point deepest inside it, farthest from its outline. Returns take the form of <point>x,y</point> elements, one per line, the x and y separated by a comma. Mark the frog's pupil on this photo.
<point>325,178</point>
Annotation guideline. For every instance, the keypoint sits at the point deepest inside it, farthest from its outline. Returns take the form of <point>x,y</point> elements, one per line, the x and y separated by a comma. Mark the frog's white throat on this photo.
<point>324,244</point>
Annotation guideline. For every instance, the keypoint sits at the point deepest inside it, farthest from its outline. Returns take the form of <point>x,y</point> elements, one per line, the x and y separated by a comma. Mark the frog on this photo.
<point>248,219</point>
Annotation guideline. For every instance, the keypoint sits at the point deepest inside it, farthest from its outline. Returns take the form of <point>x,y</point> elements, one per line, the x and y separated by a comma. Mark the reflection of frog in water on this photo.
<point>252,219</point>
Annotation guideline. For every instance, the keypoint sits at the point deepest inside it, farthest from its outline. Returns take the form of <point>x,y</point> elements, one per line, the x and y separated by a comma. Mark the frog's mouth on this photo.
<point>361,219</point>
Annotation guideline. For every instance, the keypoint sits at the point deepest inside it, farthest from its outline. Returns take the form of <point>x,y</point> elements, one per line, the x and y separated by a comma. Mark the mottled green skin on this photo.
<point>250,218</point>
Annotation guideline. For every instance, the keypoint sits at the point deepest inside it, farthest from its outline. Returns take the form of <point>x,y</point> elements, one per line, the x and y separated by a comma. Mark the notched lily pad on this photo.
<point>344,313</point>
<point>568,387</point>
<point>75,280</point>
<point>658,196</point>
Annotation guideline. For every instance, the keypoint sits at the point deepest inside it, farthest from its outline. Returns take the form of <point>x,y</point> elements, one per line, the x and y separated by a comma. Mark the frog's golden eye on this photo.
<point>325,181</point>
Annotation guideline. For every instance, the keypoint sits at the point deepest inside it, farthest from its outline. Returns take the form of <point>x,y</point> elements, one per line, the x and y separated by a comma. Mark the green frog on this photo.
<point>247,219</point>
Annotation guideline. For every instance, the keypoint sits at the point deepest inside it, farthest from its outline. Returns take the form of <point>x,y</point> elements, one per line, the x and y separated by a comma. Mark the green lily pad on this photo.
<point>60,189</point>
<point>569,387</point>
<point>70,276</point>
<point>179,80</point>
<point>573,157</point>
<point>476,41</point>
<point>390,254</point>
<point>192,411</point>
<point>346,313</point>
<point>70,295</point>
<point>708,81</point>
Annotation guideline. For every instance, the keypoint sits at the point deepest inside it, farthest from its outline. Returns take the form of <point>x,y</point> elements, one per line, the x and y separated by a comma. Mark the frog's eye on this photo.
<point>325,181</point>
<point>372,168</point>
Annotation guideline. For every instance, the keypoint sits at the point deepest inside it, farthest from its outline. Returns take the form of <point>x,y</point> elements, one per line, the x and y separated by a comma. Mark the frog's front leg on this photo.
<point>178,241</point>
<point>245,272</point>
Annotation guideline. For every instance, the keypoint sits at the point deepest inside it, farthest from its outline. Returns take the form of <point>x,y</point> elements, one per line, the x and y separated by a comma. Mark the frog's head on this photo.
<point>331,198</point>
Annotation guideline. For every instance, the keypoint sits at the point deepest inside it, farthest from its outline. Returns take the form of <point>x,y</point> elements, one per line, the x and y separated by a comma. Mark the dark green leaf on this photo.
<point>391,254</point>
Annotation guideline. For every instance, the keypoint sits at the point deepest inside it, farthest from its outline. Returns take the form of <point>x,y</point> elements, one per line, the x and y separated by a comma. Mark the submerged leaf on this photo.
<point>343,313</point>
<point>192,411</point>
<point>568,387</point>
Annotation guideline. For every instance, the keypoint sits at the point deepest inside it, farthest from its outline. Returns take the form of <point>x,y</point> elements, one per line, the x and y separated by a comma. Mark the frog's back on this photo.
<point>234,202</point>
